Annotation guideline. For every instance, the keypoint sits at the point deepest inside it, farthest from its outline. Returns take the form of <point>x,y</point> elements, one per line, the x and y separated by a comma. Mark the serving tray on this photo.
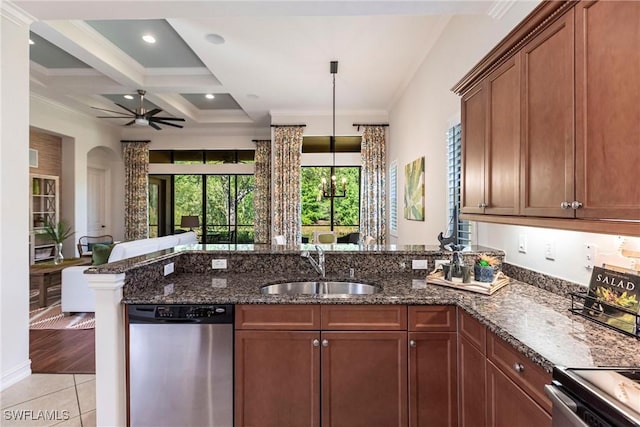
<point>500,280</point>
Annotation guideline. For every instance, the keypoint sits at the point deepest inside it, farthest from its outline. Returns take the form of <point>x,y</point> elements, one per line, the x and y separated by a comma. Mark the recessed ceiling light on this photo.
<point>214,38</point>
<point>31,41</point>
<point>149,38</point>
<point>128,96</point>
<point>209,96</point>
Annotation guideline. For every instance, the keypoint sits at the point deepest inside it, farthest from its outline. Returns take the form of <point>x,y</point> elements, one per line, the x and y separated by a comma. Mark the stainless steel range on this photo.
<point>602,397</point>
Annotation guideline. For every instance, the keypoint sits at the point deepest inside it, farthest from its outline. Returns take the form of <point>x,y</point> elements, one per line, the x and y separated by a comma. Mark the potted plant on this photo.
<point>58,232</point>
<point>484,268</point>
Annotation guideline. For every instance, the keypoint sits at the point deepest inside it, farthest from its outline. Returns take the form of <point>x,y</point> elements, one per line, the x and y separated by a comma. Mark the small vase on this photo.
<point>57,254</point>
<point>483,273</point>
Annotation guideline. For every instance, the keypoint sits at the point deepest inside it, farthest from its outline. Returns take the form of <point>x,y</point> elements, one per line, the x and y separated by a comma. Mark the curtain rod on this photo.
<point>260,140</point>
<point>288,126</point>
<point>135,140</point>
<point>384,125</point>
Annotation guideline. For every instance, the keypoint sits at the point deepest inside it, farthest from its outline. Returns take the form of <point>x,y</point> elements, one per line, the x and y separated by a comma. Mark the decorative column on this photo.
<point>111,391</point>
<point>262,194</point>
<point>136,202</point>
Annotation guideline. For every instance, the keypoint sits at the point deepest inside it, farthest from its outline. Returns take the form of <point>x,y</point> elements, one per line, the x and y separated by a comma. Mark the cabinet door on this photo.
<point>474,120</point>
<point>607,110</point>
<point>433,379</point>
<point>509,406</point>
<point>473,401</point>
<point>364,379</point>
<point>277,378</point>
<point>502,164</point>
<point>547,135</point>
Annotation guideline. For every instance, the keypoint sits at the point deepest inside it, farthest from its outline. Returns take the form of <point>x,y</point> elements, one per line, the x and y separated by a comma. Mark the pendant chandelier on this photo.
<point>332,189</point>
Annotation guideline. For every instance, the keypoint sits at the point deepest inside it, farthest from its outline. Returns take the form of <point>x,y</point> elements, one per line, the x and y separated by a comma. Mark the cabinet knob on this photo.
<point>325,343</point>
<point>576,204</point>
<point>412,344</point>
<point>518,367</point>
<point>565,205</point>
<point>482,205</point>
<point>316,343</point>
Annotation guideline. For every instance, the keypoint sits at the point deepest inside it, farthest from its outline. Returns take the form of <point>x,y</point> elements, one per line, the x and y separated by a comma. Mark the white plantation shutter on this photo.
<point>454,154</point>
<point>393,198</point>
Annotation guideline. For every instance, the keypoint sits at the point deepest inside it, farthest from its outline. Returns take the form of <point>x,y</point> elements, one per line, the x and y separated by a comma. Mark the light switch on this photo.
<point>219,264</point>
<point>420,264</point>
<point>168,269</point>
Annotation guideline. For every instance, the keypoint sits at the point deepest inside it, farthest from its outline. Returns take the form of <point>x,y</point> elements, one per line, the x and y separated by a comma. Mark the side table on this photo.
<point>46,275</point>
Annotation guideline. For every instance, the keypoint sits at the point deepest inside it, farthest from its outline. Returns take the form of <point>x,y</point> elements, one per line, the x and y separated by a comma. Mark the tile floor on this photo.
<point>50,400</point>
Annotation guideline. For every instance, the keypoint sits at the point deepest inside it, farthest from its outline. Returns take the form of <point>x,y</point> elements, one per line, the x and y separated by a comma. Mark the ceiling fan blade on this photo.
<point>129,110</point>
<point>130,123</point>
<point>164,123</point>
<point>153,112</point>
<point>110,111</point>
<point>113,117</point>
<point>177,119</point>
<point>155,126</point>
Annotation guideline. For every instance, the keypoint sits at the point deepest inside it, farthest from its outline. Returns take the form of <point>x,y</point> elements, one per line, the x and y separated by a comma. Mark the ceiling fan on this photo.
<point>141,117</point>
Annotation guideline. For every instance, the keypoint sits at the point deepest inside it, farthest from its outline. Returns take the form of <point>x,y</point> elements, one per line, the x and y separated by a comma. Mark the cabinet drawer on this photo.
<point>526,374</point>
<point>364,317</point>
<point>283,317</point>
<point>432,318</point>
<point>474,331</point>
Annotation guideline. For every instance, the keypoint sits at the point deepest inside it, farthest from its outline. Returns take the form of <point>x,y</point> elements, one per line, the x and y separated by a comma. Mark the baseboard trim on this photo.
<point>16,374</point>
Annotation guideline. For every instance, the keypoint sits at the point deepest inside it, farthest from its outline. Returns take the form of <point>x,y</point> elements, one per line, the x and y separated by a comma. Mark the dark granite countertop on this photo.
<point>533,320</point>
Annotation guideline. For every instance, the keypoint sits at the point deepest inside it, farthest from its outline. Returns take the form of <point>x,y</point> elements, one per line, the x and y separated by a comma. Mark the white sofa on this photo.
<point>76,296</point>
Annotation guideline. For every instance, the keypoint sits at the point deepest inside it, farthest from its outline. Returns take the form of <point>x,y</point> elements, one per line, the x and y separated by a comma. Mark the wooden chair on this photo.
<point>85,243</point>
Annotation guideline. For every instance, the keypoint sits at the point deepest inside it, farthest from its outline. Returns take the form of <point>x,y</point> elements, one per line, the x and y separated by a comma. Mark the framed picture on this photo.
<point>414,190</point>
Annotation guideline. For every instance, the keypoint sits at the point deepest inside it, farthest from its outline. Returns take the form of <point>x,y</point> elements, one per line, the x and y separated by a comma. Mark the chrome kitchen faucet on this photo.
<point>319,265</point>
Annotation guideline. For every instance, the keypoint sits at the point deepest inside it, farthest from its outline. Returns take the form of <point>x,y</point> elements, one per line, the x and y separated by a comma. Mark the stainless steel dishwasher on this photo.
<point>181,365</point>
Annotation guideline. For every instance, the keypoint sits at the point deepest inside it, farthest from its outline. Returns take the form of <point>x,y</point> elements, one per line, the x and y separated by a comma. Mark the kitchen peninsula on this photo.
<point>481,337</point>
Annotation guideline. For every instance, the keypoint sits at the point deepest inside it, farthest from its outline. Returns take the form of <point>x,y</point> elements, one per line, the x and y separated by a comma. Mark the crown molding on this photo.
<point>15,14</point>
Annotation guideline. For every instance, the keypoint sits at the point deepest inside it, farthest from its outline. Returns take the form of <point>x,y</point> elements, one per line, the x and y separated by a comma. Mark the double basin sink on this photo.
<point>321,288</point>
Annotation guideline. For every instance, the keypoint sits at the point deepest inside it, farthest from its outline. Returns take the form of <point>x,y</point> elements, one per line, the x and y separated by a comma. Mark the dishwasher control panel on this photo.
<point>183,313</point>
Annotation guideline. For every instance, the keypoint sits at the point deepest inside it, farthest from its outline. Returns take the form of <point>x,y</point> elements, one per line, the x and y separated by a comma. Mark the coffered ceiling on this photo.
<point>255,57</point>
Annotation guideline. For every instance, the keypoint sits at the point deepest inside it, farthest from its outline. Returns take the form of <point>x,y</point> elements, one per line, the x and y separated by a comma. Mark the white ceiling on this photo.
<point>275,57</point>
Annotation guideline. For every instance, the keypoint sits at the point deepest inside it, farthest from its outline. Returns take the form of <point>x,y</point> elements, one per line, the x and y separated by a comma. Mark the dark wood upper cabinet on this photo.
<point>547,137</point>
<point>559,94</point>
<point>608,109</point>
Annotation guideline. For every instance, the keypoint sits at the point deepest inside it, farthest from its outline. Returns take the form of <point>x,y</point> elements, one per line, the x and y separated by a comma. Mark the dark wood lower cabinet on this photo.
<point>364,379</point>
<point>277,379</point>
<point>473,375</point>
<point>508,405</point>
<point>433,380</point>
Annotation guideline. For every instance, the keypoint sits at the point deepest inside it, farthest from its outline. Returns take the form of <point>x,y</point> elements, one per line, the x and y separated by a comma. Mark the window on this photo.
<point>223,203</point>
<point>340,214</point>
<point>393,198</point>
<point>462,229</point>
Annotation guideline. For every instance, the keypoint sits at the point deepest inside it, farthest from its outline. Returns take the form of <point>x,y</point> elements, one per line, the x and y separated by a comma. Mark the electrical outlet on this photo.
<point>219,264</point>
<point>168,289</point>
<point>420,264</point>
<point>522,244</point>
<point>589,255</point>
<point>168,269</point>
<point>550,250</point>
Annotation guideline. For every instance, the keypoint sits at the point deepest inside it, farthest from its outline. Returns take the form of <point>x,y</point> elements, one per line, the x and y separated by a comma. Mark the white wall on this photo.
<point>570,252</point>
<point>420,117</point>
<point>14,199</point>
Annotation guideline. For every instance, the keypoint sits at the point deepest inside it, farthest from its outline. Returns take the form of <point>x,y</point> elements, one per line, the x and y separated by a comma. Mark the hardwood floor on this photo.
<point>62,351</point>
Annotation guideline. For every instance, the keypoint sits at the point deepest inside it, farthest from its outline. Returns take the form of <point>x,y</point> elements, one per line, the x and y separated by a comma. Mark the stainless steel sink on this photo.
<point>319,288</point>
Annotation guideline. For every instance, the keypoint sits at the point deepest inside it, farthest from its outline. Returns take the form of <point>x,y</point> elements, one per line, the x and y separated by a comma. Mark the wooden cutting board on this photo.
<point>500,280</point>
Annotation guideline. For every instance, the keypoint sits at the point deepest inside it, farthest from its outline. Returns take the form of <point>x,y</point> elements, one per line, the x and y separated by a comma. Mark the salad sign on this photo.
<point>614,299</point>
